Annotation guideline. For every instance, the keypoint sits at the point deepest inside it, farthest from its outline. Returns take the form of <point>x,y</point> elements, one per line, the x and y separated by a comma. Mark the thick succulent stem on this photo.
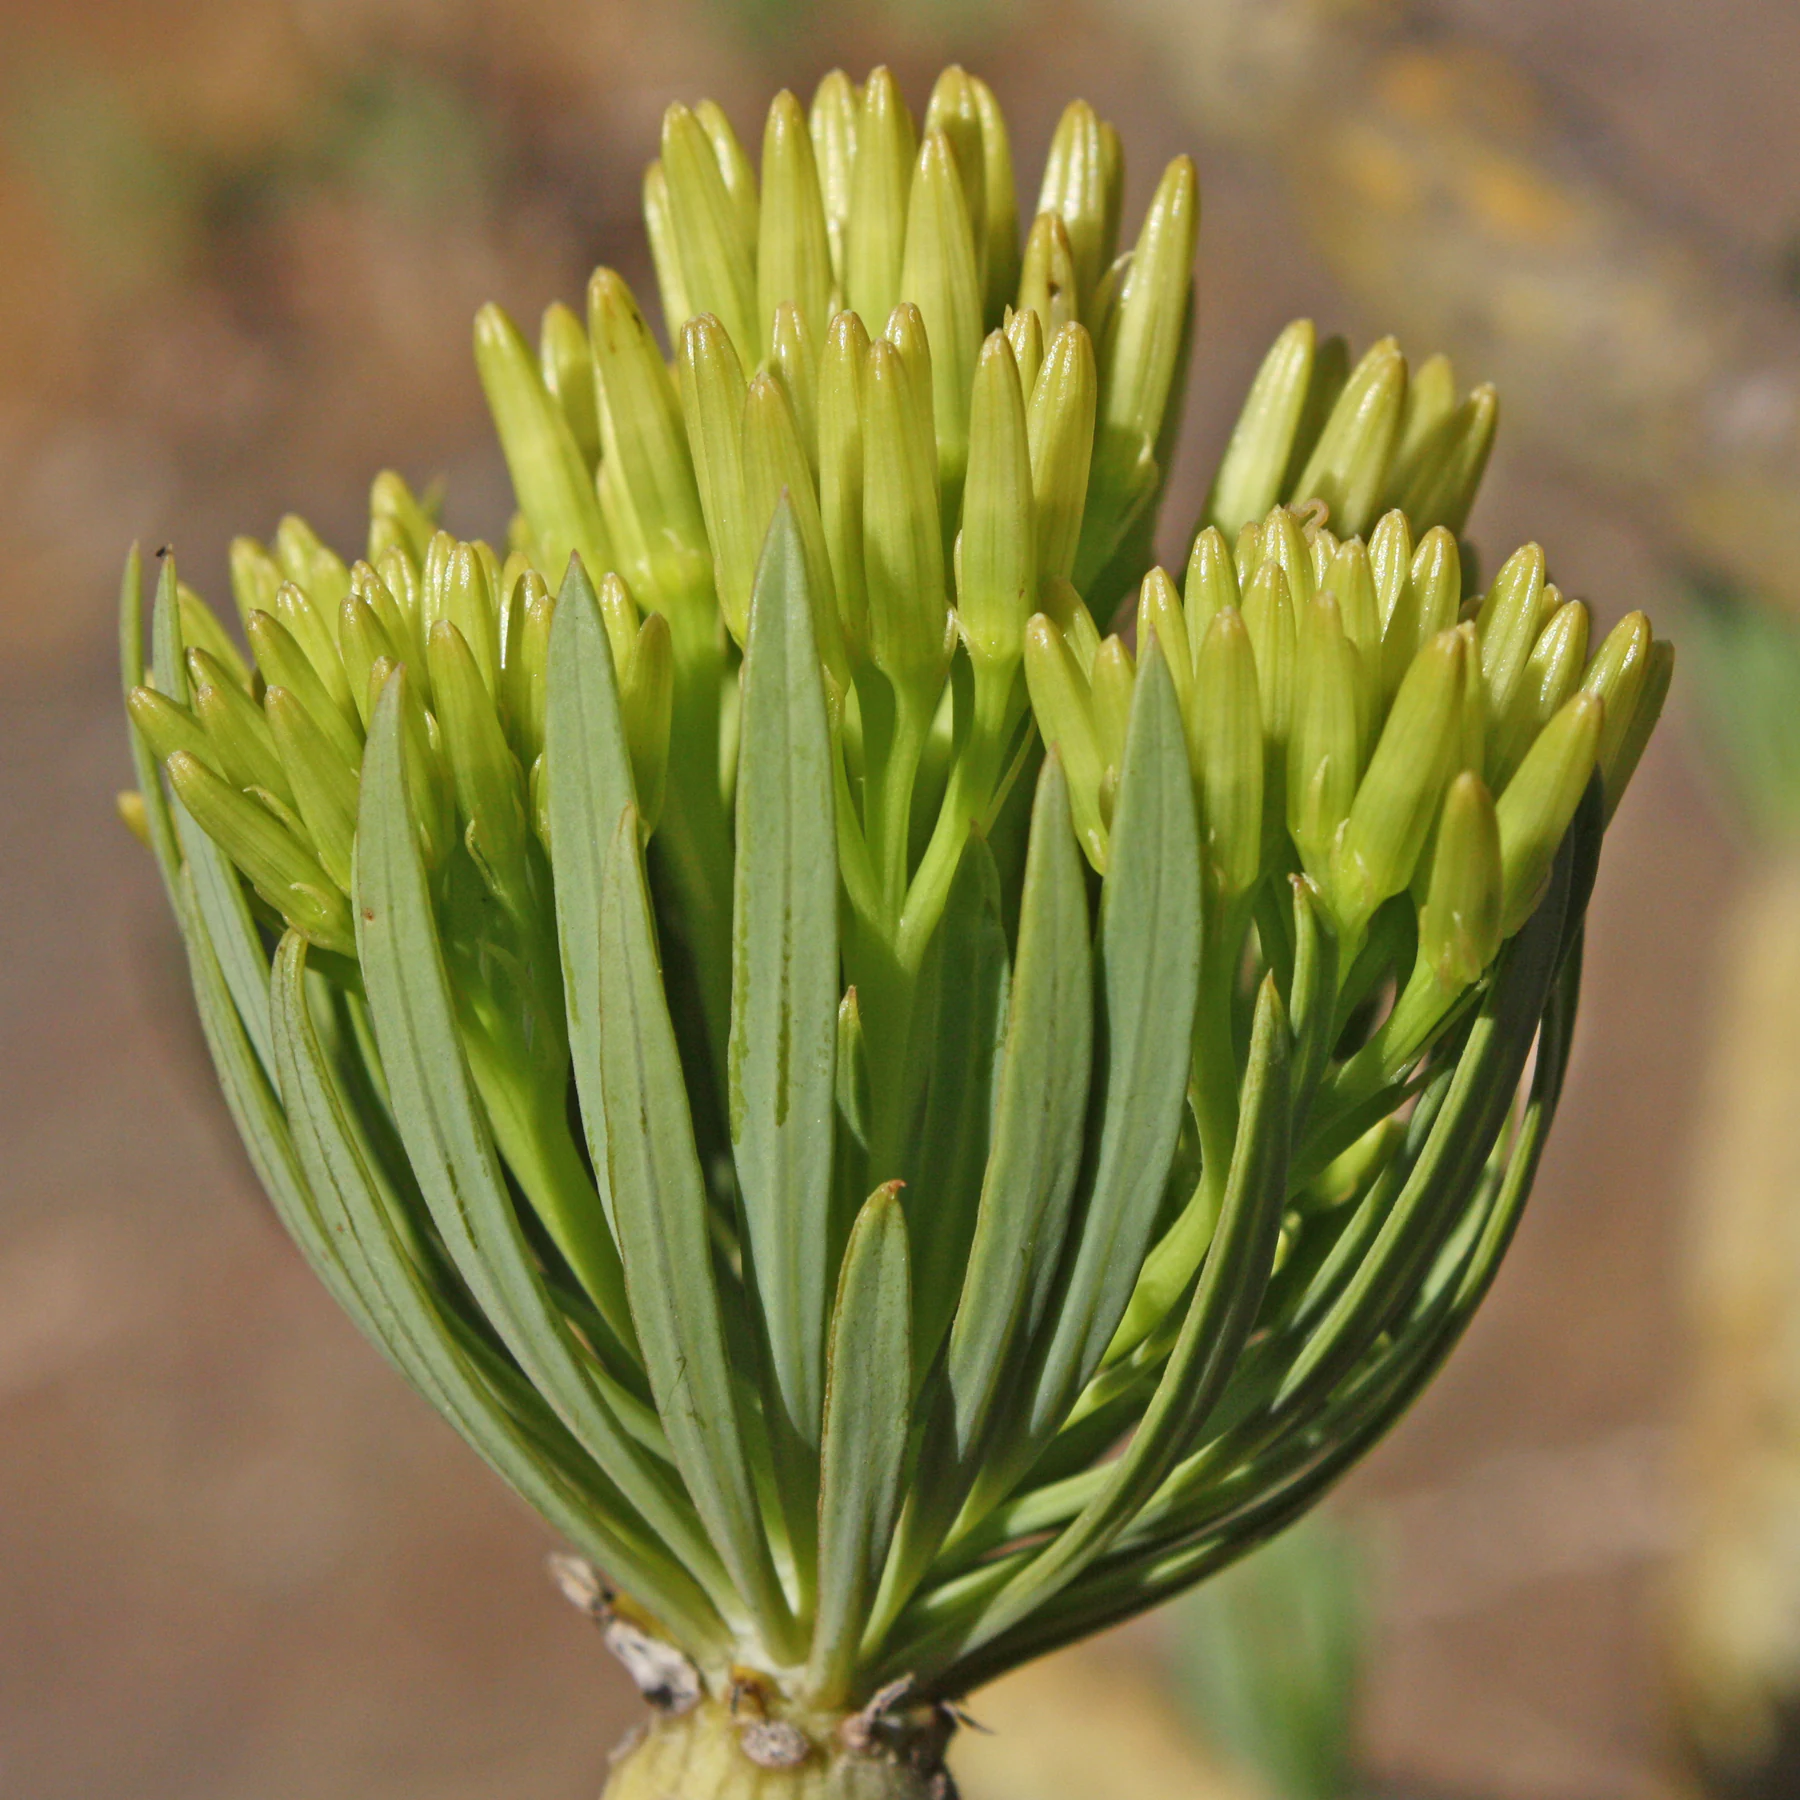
<point>711,1753</point>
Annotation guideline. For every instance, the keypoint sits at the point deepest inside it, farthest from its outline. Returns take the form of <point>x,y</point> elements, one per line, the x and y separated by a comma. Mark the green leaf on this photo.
<point>356,1214</point>
<point>450,1145</point>
<point>939,1135</point>
<point>784,990</point>
<point>866,1418</point>
<point>587,766</point>
<point>1149,966</point>
<point>659,1200</point>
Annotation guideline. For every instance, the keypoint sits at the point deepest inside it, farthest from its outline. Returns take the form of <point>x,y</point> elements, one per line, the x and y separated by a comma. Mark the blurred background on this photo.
<point>243,243</point>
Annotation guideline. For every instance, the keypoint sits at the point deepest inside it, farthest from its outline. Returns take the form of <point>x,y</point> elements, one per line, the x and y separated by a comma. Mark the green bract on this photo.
<point>907,1127</point>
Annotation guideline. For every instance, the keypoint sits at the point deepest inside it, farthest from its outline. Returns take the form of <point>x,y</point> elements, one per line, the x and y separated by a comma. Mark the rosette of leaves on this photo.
<point>909,1129</point>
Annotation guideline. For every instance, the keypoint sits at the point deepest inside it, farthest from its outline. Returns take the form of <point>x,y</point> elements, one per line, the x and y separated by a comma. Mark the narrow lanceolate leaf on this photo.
<point>1147,982</point>
<point>1213,1334</point>
<point>784,991</point>
<point>660,1203</point>
<point>356,1215</point>
<point>940,1138</point>
<point>1038,1118</point>
<point>450,1146</point>
<point>866,1417</point>
<point>587,768</point>
<point>549,475</point>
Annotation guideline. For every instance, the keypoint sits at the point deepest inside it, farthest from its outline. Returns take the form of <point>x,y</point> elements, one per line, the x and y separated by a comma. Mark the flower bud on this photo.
<point>237,729</point>
<point>1159,615</point>
<point>833,119</point>
<point>794,358</point>
<point>1390,561</point>
<point>1430,403</point>
<point>1025,332</point>
<point>997,551</point>
<point>1617,675</point>
<point>1080,190</point>
<point>1657,675</point>
<point>1398,798</point>
<point>1048,284</point>
<point>1283,543</point>
<point>282,869</point>
<point>1268,614</point>
<point>1511,616</point>
<point>1112,679</point>
<point>1211,585</point>
<point>201,630</point>
<point>841,478</point>
<point>1060,424</point>
<point>619,613</point>
<point>284,664</point>
<point>1062,702</point>
<point>1552,673</point>
<point>998,246</point>
<point>490,788</point>
<point>1349,464</point>
<point>549,475</point>
<point>715,254</point>
<point>646,703</point>
<point>1352,582</point>
<point>902,547</point>
<point>469,603</point>
<point>905,330</point>
<point>1440,488</point>
<point>522,681</point>
<point>940,277</point>
<point>1225,743</point>
<point>255,578</point>
<point>953,113</point>
<point>1459,924</point>
<point>665,253</point>
<point>881,185</point>
<point>1539,802</point>
<point>307,627</point>
<point>1325,745</point>
<point>362,639</point>
<point>322,783</point>
<point>1427,606</point>
<point>1256,460</point>
<point>793,246</point>
<point>168,727</point>
<point>566,361</point>
<point>712,400</point>
<point>311,564</point>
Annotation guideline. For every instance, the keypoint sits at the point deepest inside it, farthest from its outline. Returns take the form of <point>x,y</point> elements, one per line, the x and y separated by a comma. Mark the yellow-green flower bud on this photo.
<point>1398,798</point>
<point>279,866</point>
<point>1352,582</point>
<point>1440,487</point>
<point>255,578</point>
<point>665,253</point>
<point>1459,924</point>
<point>1062,702</point>
<point>1210,586</point>
<point>361,640</point>
<point>1552,674</point>
<point>1390,562</point>
<point>1250,476</point>
<point>201,630</point>
<point>881,185</point>
<point>398,517</point>
<point>522,680</point>
<point>952,110</point>
<point>794,356</point>
<point>902,544</point>
<point>646,703</point>
<point>1539,802</point>
<point>1079,189</point>
<point>566,361</point>
<point>939,275</point>
<point>841,477</point>
<point>905,330</point>
<point>322,783</point>
<point>774,464</point>
<point>1657,675</point>
<point>1025,332</point>
<point>1511,616</point>
<point>554,485</point>
<point>284,664</point>
<point>1284,544</point>
<point>307,626</point>
<point>1048,285</point>
<point>238,730</point>
<point>1060,423</point>
<point>490,786</point>
<point>1159,615</point>
<point>1225,743</point>
<point>1430,402</point>
<point>793,245</point>
<point>310,563</point>
<point>1349,464</point>
<point>646,448</point>
<point>1427,605</point>
<point>1617,675</point>
<point>996,559</point>
<point>619,613</point>
<point>1268,613</point>
<point>833,119</point>
<point>712,400</point>
<point>999,244</point>
<point>469,603</point>
<point>167,726</point>
<point>1112,679</point>
<point>716,256</point>
<point>1325,744</point>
